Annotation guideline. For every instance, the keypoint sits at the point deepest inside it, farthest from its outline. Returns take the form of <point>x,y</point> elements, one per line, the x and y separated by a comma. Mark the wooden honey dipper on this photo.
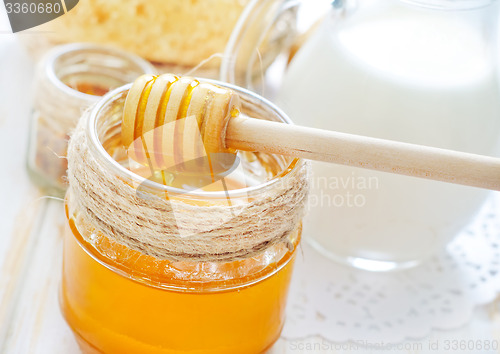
<point>153,102</point>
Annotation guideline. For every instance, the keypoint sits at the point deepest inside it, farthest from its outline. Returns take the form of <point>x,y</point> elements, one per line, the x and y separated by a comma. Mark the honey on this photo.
<point>89,88</point>
<point>121,299</point>
<point>235,307</point>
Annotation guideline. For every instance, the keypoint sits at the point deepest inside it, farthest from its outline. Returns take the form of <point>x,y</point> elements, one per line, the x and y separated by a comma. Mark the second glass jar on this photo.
<point>69,79</point>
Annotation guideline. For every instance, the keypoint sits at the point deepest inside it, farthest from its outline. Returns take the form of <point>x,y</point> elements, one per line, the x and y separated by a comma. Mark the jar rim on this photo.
<point>259,21</point>
<point>53,56</point>
<point>104,157</point>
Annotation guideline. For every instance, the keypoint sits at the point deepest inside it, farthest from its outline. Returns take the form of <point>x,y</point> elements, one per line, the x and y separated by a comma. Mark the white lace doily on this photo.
<point>340,304</point>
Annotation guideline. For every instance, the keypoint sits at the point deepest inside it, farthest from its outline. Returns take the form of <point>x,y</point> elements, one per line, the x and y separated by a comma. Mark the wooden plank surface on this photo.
<point>20,207</point>
<point>37,325</point>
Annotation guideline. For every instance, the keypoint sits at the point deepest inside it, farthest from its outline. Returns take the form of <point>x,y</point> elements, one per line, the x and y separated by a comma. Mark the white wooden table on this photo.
<point>31,240</point>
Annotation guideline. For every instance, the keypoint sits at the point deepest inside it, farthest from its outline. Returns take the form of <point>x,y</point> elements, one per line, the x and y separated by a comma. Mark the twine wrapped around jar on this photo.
<point>146,221</point>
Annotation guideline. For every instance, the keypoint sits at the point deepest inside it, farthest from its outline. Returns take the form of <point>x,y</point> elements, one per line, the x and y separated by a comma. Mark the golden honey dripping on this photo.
<point>170,120</point>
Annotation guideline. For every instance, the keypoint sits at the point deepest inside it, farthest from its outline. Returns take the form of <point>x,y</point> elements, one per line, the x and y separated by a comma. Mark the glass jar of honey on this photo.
<point>119,297</point>
<point>68,80</point>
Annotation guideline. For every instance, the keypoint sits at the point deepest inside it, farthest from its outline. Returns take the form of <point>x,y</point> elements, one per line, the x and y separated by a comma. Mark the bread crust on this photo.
<point>177,32</point>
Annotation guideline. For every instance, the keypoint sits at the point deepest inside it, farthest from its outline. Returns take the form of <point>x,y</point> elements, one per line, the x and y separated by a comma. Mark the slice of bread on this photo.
<point>177,32</point>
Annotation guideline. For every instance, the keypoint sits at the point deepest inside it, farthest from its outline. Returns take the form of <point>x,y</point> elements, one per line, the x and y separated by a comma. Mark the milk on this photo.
<point>401,73</point>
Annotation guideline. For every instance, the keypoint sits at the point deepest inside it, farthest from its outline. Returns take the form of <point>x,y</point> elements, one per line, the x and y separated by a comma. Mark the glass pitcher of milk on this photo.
<point>420,71</point>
